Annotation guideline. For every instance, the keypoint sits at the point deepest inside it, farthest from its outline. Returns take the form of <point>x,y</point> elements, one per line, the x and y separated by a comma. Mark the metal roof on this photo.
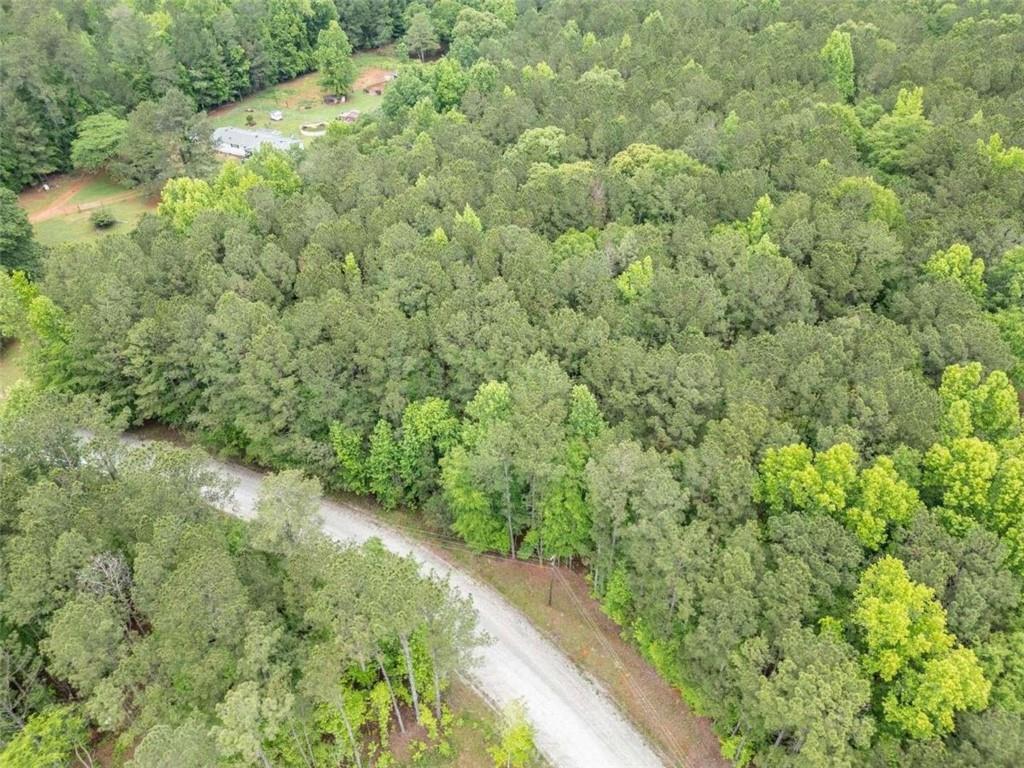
<point>244,141</point>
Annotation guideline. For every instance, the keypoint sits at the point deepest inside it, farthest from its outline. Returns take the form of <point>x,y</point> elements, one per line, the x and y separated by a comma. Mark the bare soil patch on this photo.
<point>371,76</point>
<point>70,186</point>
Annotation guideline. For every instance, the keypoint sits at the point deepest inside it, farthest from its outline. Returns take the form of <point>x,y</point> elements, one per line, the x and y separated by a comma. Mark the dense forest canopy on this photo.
<point>719,299</point>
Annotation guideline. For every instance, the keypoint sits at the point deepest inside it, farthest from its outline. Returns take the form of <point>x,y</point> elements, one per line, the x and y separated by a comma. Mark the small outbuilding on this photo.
<point>242,142</point>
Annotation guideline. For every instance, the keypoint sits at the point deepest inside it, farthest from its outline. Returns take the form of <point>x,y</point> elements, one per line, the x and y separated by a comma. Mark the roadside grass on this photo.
<point>474,729</point>
<point>77,226</point>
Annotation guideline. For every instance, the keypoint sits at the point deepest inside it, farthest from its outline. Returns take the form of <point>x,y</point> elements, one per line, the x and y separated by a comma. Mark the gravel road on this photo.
<point>577,725</point>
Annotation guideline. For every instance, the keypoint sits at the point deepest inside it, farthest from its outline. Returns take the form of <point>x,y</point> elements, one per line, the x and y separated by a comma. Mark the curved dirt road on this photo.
<point>577,725</point>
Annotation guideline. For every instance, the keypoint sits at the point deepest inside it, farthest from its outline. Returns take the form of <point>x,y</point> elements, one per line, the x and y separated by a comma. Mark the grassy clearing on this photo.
<point>77,227</point>
<point>61,214</point>
<point>301,101</point>
<point>99,187</point>
<point>12,365</point>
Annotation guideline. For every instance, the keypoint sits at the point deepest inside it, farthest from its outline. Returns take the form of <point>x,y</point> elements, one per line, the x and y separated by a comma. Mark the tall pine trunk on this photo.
<point>407,652</point>
<point>508,512</point>
<point>437,688</point>
<point>351,735</point>
<point>391,692</point>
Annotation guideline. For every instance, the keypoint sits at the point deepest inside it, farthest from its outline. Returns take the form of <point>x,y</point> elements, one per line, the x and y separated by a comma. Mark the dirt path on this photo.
<point>62,207</point>
<point>576,723</point>
<point>56,207</point>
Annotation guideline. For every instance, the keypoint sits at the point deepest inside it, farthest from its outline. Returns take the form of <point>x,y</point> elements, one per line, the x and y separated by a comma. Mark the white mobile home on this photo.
<point>242,142</point>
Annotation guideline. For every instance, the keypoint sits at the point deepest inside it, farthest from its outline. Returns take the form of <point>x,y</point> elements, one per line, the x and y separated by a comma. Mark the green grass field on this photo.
<point>97,189</point>
<point>301,101</point>
<point>77,226</point>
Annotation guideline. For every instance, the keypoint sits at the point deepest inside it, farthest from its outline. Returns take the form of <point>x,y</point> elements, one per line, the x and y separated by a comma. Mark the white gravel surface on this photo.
<point>576,723</point>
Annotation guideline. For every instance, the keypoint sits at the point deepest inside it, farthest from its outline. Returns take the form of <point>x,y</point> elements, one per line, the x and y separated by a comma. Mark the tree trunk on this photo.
<point>437,689</point>
<point>407,652</point>
<point>351,735</point>
<point>800,741</point>
<point>304,748</point>
<point>391,692</point>
<point>508,513</point>
<point>739,750</point>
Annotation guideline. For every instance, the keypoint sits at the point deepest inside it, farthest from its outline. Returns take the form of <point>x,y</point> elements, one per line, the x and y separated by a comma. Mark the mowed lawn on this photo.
<point>62,212</point>
<point>77,226</point>
<point>301,100</point>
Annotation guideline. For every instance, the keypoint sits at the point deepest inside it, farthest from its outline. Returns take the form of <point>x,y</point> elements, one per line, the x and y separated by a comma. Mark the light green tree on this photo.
<point>895,141</point>
<point>636,279</point>
<point>428,431</point>
<point>53,738</point>
<point>882,203</point>
<point>1001,157</point>
<point>959,475</point>
<point>516,748</point>
<point>333,57</point>
<point>973,405</point>
<point>868,502</point>
<point>837,55</point>
<point>351,457</point>
<point>903,627</point>
<point>958,264</point>
<point>901,621</point>
<point>99,137</point>
<point>383,465</point>
<point>924,703</point>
